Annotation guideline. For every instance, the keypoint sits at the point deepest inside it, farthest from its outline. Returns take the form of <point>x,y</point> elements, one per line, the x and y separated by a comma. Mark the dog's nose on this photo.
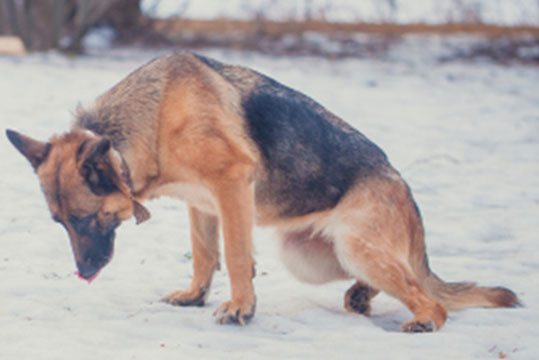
<point>87,272</point>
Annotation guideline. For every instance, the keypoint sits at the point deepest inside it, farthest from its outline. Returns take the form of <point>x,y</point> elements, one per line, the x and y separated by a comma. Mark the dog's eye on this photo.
<point>81,225</point>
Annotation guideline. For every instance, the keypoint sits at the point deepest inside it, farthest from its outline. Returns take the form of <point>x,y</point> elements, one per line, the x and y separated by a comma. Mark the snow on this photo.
<point>99,38</point>
<point>464,135</point>
<point>507,12</point>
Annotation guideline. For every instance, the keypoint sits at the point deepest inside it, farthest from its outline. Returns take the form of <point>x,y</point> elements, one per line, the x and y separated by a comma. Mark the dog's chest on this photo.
<point>193,195</point>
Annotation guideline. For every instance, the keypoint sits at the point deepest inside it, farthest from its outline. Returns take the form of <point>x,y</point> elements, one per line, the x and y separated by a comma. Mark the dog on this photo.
<point>242,149</point>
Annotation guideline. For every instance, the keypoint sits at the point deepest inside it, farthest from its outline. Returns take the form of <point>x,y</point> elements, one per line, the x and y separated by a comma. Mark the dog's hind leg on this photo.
<point>205,250</point>
<point>377,232</point>
<point>385,271</point>
<point>358,298</point>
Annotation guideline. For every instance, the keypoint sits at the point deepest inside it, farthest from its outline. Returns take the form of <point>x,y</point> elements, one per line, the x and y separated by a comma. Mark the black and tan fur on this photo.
<point>242,149</point>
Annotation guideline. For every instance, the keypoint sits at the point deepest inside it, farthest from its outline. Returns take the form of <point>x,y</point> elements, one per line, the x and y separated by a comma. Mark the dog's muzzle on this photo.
<point>96,256</point>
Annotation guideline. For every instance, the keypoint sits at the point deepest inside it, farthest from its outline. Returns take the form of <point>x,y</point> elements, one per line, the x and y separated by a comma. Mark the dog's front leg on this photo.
<point>236,210</point>
<point>205,246</point>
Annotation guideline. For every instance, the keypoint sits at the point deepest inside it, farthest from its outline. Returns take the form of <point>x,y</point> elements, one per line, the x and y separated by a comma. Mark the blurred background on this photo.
<point>448,88</point>
<point>500,30</point>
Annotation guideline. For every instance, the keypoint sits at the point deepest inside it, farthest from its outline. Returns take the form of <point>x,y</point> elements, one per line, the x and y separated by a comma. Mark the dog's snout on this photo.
<point>92,253</point>
<point>86,271</point>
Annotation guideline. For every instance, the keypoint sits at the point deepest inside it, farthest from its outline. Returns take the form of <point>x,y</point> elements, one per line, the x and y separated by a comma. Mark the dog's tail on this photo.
<point>454,296</point>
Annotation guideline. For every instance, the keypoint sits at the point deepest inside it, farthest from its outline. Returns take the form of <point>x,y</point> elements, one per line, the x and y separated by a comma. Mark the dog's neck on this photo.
<point>126,173</point>
<point>136,147</point>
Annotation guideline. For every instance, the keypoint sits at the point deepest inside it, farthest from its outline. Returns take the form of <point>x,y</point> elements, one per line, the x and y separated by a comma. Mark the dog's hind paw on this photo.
<point>357,298</point>
<point>187,297</point>
<point>235,312</point>
<point>418,326</point>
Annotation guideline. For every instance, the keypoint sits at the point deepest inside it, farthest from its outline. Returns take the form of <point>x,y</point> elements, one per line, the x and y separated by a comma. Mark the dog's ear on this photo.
<point>35,151</point>
<point>95,166</point>
<point>141,213</point>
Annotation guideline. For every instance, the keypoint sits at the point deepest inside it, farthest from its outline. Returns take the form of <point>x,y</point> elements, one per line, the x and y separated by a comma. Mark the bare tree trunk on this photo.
<point>126,17</point>
<point>12,16</point>
<point>27,25</point>
<point>2,18</point>
<point>42,23</point>
<point>57,18</point>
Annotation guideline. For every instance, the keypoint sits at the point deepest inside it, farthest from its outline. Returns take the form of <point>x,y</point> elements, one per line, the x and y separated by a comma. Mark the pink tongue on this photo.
<point>89,279</point>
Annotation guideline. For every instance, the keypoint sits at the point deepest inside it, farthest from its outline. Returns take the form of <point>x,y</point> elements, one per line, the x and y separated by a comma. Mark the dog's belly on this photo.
<point>194,195</point>
<point>310,257</point>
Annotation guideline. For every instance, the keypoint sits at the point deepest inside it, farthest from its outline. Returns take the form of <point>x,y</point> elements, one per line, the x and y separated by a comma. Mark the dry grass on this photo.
<point>500,44</point>
<point>278,28</point>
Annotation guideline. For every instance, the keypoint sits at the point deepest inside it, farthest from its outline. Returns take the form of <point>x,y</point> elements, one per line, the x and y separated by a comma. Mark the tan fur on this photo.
<point>377,238</point>
<point>205,250</point>
<point>179,131</point>
<point>67,195</point>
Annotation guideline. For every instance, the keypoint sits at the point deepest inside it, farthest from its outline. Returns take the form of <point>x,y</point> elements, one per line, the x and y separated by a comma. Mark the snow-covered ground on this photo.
<point>465,136</point>
<point>506,12</point>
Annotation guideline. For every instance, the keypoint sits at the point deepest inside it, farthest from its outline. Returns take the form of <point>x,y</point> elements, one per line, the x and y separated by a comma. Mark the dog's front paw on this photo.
<point>187,297</point>
<point>235,312</point>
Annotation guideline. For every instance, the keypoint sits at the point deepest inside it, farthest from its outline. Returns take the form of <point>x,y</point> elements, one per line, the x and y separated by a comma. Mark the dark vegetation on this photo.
<point>62,24</point>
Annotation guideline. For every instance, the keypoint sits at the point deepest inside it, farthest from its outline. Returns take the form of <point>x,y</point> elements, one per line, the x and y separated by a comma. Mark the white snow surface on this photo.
<point>465,137</point>
<point>505,12</point>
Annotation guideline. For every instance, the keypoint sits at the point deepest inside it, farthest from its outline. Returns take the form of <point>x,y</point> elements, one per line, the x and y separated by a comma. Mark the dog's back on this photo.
<point>311,157</point>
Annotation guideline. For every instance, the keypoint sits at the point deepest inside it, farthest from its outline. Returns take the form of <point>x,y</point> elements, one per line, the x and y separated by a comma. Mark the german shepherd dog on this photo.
<point>242,149</point>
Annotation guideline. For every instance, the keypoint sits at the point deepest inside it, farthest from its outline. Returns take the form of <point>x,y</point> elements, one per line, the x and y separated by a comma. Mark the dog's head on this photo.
<point>87,188</point>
